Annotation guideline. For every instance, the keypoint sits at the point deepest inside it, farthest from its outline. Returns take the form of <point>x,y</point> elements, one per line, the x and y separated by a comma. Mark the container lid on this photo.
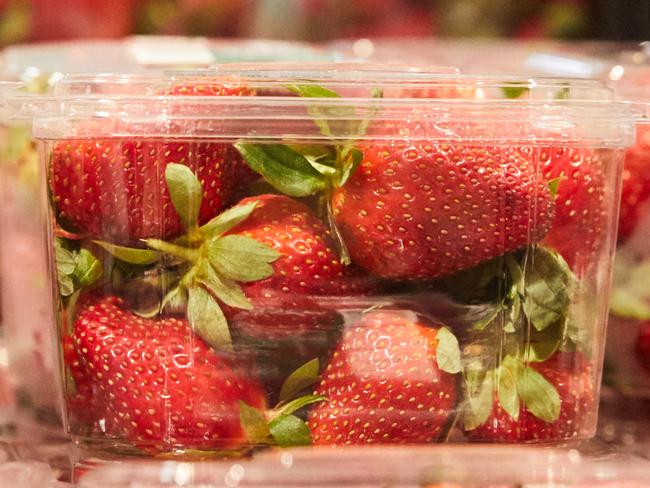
<point>294,102</point>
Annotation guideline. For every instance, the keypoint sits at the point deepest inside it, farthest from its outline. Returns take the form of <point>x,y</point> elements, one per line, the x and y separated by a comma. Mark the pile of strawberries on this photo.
<point>203,284</point>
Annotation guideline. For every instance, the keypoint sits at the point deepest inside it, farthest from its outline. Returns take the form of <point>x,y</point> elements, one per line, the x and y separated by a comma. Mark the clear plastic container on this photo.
<point>24,233</point>
<point>628,350</point>
<point>276,256</point>
<point>540,57</point>
<point>26,316</point>
<point>417,467</point>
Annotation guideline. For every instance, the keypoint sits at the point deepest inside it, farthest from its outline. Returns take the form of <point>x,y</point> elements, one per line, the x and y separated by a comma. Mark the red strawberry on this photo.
<point>416,209</point>
<point>580,221</point>
<point>383,384</point>
<point>115,190</point>
<point>161,386</point>
<point>83,403</point>
<point>309,264</point>
<point>643,344</point>
<point>231,88</point>
<point>636,184</point>
<point>571,376</point>
<point>286,302</point>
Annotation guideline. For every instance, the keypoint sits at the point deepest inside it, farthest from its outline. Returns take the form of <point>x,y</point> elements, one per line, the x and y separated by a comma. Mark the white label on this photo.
<point>170,51</point>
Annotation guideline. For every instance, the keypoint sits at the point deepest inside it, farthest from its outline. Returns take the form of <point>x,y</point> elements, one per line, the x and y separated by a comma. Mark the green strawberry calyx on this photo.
<point>76,269</point>
<point>630,297</point>
<point>304,170</point>
<point>524,298</point>
<point>208,265</point>
<point>279,426</point>
<point>515,385</point>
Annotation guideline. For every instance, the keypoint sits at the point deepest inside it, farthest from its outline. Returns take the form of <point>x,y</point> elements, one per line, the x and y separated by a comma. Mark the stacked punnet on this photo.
<point>250,257</point>
<point>628,351</point>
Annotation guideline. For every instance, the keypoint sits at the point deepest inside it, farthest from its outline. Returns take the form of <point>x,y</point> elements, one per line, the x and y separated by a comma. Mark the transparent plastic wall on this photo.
<point>280,256</point>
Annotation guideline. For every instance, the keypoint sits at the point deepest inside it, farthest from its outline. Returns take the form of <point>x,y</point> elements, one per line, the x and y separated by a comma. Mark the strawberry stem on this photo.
<point>184,253</point>
<point>336,234</point>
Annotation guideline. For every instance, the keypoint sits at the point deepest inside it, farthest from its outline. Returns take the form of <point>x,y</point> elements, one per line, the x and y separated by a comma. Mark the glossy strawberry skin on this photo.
<point>571,376</point>
<point>580,222</point>
<point>286,303</point>
<point>115,190</point>
<point>635,191</point>
<point>383,384</point>
<point>416,210</point>
<point>643,344</point>
<point>161,387</point>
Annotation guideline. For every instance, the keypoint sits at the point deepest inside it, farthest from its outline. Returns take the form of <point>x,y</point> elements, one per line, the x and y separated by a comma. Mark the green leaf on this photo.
<point>630,305</point>
<point>298,403</point>
<point>227,220</point>
<point>513,319</point>
<point>65,262</point>
<point>17,142</point>
<point>631,288</point>
<point>315,151</point>
<point>448,351</point>
<point>323,168</point>
<point>312,91</point>
<point>88,269</point>
<point>300,379</point>
<point>285,169</point>
<point>242,258</point>
<point>538,395</point>
<point>321,114</point>
<point>352,160</point>
<point>516,276</point>
<point>508,374</point>
<point>253,423</point>
<point>554,186</point>
<point>175,300</point>
<point>182,253</point>
<point>487,315</point>
<point>377,93</point>
<point>365,123</point>
<point>227,291</point>
<point>548,285</point>
<point>66,285</point>
<point>185,192</point>
<point>538,352</point>
<point>479,402</point>
<point>539,314</point>
<point>514,90</point>
<point>130,255</point>
<point>207,319</point>
<point>289,431</point>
